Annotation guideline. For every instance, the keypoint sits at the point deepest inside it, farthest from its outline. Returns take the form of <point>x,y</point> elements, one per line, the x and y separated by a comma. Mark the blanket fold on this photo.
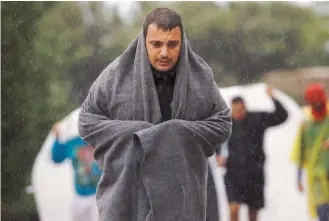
<point>153,170</point>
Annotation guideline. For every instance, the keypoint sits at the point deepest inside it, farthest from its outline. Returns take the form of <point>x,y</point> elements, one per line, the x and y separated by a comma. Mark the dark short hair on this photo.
<point>237,99</point>
<point>164,18</point>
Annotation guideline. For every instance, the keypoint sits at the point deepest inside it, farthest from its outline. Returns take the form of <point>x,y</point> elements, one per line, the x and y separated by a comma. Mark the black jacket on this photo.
<point>245,146</point>
<point>165,83</point>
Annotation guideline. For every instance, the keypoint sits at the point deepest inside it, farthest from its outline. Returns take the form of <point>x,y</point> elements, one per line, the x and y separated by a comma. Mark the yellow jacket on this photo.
<point>295,156</point>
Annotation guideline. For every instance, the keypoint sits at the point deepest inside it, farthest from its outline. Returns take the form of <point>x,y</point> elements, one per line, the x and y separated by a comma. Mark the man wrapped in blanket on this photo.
<point>154,116</point>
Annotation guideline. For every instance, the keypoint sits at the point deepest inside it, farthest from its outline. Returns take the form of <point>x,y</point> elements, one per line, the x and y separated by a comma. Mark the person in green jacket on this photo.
<point>314,150</point>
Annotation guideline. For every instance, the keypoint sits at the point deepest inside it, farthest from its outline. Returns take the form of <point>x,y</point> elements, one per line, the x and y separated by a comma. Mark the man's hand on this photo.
<point>325,144</point>
<point>221,161</point>
<point>56,130</point>
<point>299,181</point>
<point>269,91</point>
<point>300,186</point>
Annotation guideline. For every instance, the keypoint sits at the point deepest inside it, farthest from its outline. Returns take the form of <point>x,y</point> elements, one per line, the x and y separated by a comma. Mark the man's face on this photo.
<point>318,106</point>
<point>163,47</point>
<point>238,111</point>
<point>316,101</point>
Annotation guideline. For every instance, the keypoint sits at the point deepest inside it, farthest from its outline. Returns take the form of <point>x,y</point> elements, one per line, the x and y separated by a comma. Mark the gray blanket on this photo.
<point>152,170</point>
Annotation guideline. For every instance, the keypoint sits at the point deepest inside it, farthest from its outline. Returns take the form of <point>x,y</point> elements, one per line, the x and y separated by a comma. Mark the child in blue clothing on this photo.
<point>86,174</point>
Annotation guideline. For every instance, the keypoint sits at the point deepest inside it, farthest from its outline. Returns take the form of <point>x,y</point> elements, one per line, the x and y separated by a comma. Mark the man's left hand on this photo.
<point>221,161</point>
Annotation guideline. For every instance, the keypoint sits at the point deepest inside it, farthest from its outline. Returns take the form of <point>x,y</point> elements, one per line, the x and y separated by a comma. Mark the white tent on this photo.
<point>53,184</point>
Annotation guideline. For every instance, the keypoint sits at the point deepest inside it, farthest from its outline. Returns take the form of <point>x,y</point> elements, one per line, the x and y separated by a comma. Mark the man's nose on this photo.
<point>164,51</point>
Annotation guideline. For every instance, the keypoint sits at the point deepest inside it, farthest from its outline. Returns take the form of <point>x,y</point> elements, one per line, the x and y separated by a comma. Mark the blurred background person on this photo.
<point>313,150</point>
<point>86,174</point>
<point>244,178</point>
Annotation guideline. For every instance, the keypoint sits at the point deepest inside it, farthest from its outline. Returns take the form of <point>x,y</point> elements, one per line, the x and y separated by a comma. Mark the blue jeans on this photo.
<point>323,212</point>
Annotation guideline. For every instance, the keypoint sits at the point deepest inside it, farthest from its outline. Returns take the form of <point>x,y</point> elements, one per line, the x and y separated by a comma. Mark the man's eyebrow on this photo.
<point>161,41</point>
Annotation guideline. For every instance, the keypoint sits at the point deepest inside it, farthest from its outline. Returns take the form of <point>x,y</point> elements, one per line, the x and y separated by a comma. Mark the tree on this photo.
<point>24,96</point>
<point>243,40</point>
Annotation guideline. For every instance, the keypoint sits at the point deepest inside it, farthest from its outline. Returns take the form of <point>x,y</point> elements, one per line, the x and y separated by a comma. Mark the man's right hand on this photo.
<point>221,161</point>
<point>269,91</point>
